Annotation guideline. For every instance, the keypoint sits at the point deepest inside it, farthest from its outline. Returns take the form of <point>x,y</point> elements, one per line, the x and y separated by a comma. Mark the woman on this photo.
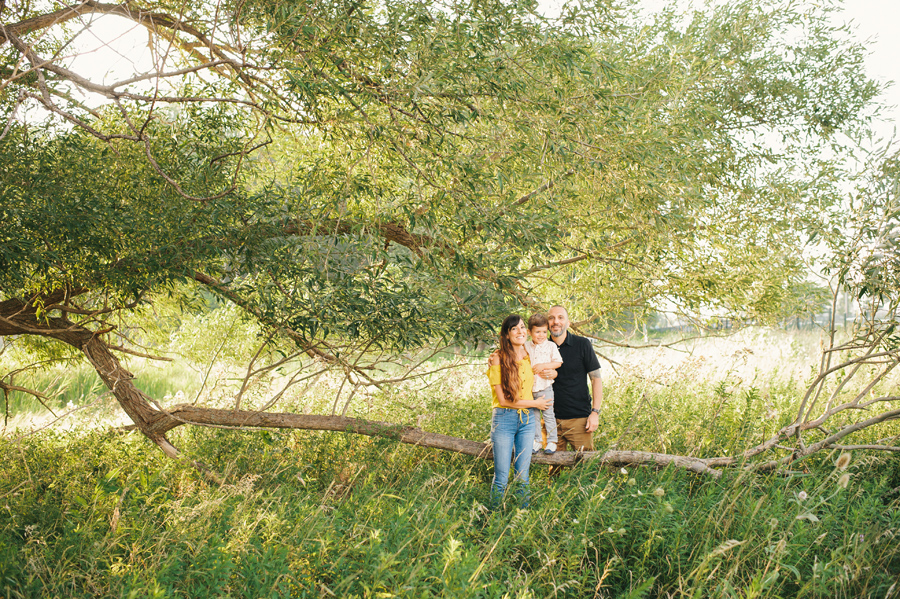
<point>514,415</point>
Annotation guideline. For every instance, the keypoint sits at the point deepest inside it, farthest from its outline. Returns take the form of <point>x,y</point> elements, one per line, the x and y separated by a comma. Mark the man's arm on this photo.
<point>593,420</point>
<point>538,369</point>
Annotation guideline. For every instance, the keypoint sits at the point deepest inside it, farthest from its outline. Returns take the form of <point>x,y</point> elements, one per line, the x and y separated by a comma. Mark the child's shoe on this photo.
<point>536,447</point>
<point>551,447</point>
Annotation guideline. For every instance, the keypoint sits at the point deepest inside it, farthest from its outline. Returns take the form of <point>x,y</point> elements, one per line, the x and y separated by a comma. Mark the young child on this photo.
<point>544,355</point>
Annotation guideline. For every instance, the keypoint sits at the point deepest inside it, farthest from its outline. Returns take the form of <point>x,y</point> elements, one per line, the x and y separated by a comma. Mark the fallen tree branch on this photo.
<point>188,414</point>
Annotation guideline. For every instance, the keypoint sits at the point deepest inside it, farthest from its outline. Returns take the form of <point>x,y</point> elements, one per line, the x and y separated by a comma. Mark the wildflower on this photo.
<point>639,493</point>
<point>621,532</point>
<point>668,507</point>
<point>623,471</point>
<point>802,496</point>
<point>843,461</point>
<point>574,520</point>
<point>631,482</point>
<point>659,491</point>
<point>610,529</point>
<point>844,480</point>
<point>773,522</point>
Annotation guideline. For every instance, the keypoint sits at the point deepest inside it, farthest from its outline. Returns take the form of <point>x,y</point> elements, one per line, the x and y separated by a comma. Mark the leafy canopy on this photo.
<point>393,173</point>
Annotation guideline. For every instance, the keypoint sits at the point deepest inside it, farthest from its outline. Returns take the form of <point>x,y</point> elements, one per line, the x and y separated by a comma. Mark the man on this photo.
<point>577,410</point>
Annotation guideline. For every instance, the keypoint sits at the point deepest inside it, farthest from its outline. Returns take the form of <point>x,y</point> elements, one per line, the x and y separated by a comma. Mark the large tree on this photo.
<point>363,178</point>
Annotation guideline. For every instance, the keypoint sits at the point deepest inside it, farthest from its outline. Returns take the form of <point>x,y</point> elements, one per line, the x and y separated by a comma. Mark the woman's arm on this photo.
<point>541,404</point>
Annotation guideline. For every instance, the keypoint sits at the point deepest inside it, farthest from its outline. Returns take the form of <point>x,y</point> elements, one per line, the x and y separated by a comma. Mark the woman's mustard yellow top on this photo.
<point>526,381</point>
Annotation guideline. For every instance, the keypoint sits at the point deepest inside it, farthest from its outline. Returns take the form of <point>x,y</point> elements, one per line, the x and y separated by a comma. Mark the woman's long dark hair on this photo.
<point>509,367</point>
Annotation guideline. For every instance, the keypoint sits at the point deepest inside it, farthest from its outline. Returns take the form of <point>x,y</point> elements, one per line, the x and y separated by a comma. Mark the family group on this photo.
<point>540,377</point>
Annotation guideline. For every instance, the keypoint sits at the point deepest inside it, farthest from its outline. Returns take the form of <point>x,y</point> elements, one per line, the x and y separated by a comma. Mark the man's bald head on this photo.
<point>558,319</point>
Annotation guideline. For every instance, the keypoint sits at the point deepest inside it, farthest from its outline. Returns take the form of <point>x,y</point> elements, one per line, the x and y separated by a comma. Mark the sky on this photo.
<point>878,23</point>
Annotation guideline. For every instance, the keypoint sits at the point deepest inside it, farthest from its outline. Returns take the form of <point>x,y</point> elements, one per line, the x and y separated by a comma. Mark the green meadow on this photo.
<point>88,511</point>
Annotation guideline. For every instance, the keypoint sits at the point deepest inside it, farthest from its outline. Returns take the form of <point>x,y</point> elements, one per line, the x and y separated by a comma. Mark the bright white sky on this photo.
<point>878,24</point>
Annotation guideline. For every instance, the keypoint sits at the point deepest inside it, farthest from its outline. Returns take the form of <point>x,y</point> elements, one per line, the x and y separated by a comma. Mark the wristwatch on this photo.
<point>595,411</point>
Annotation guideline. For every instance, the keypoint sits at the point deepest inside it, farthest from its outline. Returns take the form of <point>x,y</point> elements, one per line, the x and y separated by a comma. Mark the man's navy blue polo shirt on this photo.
<point>571,395</point>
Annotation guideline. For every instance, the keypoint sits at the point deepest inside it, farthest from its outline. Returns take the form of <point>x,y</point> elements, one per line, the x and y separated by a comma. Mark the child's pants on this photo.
<point>549,417</point>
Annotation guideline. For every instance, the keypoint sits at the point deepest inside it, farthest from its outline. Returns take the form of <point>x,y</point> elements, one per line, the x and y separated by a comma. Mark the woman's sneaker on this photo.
<point>551,448</point>
<point>535,447</point>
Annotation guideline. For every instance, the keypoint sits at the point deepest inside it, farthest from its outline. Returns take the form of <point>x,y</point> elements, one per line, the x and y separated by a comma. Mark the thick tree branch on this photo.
<point>21,318</point>
<point>188,414</point>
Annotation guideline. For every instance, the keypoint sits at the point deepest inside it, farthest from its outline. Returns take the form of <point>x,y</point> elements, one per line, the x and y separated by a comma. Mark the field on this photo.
<point>89,511</point>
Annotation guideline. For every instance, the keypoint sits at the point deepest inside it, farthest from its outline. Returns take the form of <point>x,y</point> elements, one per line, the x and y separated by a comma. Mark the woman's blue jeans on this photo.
<point>512,433</point>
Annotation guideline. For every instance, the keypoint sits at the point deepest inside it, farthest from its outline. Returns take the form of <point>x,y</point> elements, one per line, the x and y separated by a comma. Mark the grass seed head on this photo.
<point>659,491</point>
<point>726,546</point>
<point>844,480</point>
<point>843,461</point>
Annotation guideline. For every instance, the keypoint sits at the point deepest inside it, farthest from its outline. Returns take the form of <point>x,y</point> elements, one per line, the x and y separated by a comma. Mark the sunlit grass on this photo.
<point>307,514</point>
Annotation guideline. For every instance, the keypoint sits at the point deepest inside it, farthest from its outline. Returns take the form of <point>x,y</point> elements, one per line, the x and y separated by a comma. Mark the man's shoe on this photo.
<point>551,448</point>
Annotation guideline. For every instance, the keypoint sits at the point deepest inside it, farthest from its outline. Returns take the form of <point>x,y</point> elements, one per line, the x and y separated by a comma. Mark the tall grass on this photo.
<point>99,513</point>
<point>311,515</point>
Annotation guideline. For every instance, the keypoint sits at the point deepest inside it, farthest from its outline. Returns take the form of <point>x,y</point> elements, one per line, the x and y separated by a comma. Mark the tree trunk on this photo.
<point>19,318</point>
